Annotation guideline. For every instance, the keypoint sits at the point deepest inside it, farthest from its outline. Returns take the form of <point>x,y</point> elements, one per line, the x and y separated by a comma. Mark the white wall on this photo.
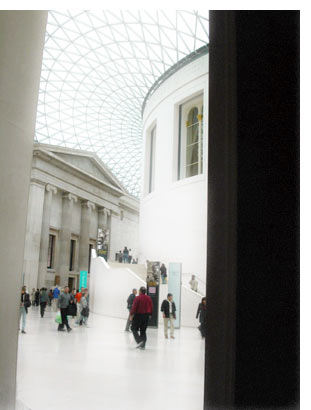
<point>124,233</point>
<point>173,218</point>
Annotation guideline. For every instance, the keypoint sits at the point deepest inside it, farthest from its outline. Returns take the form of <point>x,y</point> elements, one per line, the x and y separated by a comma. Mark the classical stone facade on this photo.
<point>72,195</point>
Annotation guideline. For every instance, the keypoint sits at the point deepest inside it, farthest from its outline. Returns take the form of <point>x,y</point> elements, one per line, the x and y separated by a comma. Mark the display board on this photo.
<point>153,274</point>
<point>174,287</point>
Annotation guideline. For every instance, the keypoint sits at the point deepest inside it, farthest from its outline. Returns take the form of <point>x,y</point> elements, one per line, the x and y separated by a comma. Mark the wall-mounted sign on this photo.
<point>83,279</point>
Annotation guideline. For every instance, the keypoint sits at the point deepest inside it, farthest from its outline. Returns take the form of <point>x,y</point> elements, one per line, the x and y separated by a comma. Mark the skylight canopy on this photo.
<point>97,68</point>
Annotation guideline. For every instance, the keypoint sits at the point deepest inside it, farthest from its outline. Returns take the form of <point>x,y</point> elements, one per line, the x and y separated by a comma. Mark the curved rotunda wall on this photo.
<point>173,216</point>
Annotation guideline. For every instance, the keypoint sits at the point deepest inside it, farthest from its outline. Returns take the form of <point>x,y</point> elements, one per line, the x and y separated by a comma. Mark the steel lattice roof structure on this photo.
<point>97,69</point>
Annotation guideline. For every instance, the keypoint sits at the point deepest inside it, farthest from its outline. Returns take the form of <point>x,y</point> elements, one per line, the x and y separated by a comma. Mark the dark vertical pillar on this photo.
<point>252,348</point>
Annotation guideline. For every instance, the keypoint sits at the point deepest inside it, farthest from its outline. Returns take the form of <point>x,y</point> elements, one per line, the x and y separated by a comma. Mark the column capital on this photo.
<point>104,211</point>
<point>88,204</point>
<point>51,188</point>
<point>70,197</point>
<point>107,212</point>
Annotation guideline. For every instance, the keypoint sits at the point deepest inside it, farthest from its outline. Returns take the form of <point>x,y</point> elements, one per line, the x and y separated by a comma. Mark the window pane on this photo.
<point>193,116</point>
<point>192,170</point>
<point>192,133</point>
<point>192,154</point>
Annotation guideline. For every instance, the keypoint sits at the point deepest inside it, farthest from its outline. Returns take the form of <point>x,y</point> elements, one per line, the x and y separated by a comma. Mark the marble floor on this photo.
<point>99,368</point>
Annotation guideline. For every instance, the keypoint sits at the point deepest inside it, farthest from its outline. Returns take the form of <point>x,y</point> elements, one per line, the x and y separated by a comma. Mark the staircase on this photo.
<point>140,270</point>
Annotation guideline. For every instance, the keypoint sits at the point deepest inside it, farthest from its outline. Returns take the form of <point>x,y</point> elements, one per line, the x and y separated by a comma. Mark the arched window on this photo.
<point>192,143</point>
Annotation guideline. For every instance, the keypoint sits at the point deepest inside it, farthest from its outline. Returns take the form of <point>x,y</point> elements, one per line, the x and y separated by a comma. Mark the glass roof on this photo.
<point>97,68</point>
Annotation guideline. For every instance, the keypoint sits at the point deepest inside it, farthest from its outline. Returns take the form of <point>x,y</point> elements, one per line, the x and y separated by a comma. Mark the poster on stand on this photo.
<point>152,281</point>
<point>174,287</point>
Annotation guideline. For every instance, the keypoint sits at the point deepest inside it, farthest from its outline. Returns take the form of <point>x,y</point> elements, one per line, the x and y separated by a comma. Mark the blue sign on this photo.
<point>174,287</point>
<point>83,279</point>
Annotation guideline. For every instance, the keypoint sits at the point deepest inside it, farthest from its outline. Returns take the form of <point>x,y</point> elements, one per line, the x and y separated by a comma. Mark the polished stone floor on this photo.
<point>99,368</point>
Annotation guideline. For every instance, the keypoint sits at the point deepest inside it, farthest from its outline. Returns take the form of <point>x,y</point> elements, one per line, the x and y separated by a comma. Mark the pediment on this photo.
<point>89,165</point>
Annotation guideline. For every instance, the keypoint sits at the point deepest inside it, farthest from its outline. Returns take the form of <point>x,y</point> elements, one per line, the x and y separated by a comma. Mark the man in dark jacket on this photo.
<point>139,315</point>
<point>24,305</point>
<point>130,301</point>
<point>169,314</point>
<point>43,300</point>
<point>64,300</point>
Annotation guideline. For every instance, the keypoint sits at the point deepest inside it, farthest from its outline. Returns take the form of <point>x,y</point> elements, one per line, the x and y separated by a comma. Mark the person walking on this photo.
<point>43,300</point>
<point>168,308</point>
<point>56,293</point>
<point>140,314</point>
<point>163,273</point>
<point>37,297</point>
<point>64,300</point>
<point>23,309</point>
<point>202,315</point>
<point>130,301</point>
<point>50,294</point>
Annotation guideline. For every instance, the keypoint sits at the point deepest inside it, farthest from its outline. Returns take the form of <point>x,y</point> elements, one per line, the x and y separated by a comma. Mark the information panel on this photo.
<point>83,279</point>
<point>174,287</point>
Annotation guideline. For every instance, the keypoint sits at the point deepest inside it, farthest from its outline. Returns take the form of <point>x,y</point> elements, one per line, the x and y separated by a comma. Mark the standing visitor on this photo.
<point>130,301</point>
<point>194,283</point>
<point>169,314</point>
<point>64,300</point>
<point>120,256</point>
<point>56,293</point>
<point>24,305</point>
<point>130,256</point>
<point>140,313</point>
<point>43,300</point>
<point>78,300</point>
<point>33,296</point>
<point>85,307</point>
<point>72,308</point>
<point>163,273</point>
<point>202,315</point>
<point>125,255</point>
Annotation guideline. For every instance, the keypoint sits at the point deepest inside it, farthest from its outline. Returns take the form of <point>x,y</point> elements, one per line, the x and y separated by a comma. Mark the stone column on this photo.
<point>64,237</point>
<point>21,46</point>
<point>104,223</point>
<point>102,218</point>
<point>44,244</point>
<point>87,208</point>
<point>33,234</point>
<point>114,238</point>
